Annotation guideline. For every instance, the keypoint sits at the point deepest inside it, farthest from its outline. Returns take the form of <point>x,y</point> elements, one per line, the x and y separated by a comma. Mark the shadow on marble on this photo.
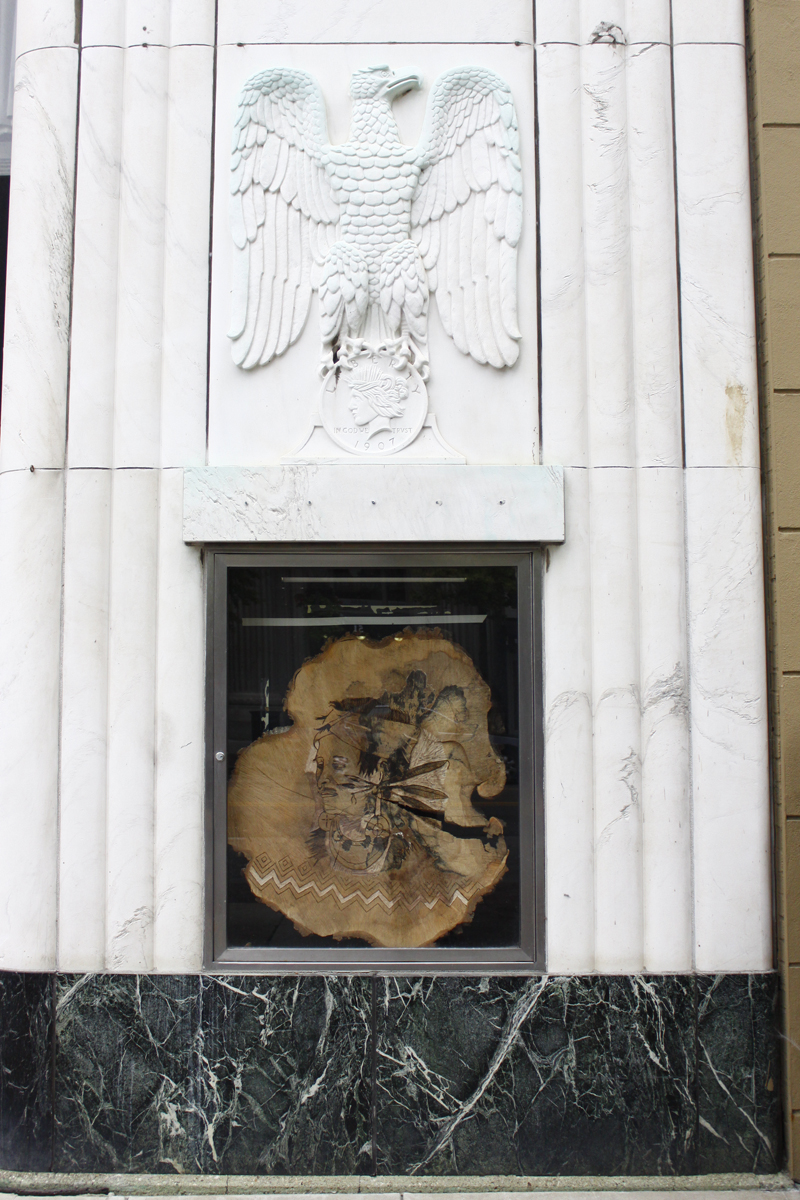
<point>536,1077</point>
<point>26,1048</point>
<point>738,1074</point>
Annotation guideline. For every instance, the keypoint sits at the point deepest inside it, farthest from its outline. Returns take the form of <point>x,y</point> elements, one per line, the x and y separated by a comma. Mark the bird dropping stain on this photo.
<point>734,419</point>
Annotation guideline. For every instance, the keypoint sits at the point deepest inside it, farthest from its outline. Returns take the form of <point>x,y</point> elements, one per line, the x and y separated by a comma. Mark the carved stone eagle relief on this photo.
<point>375,227</point>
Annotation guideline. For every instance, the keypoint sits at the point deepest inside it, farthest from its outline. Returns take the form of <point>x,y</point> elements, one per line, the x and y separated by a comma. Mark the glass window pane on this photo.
<point>373,743</point>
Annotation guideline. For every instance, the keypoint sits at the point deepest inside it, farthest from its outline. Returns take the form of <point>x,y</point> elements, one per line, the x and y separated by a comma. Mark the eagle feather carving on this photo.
<point>373,225</point>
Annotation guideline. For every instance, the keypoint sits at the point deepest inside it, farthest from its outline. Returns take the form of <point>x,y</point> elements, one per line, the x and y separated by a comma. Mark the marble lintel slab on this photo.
<point>408,503</point>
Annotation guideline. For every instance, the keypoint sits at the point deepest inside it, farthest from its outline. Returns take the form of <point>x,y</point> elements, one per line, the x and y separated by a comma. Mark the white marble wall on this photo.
<point>657,818</point>
<point>656,749</point>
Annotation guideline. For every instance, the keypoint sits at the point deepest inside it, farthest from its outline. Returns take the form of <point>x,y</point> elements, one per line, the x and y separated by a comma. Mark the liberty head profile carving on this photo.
<point>376,398</point>
<point>375,227</point>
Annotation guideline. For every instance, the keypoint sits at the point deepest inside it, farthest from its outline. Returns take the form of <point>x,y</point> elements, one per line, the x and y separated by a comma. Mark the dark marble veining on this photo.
<point>738,1073</point>
<point>568,1076</point>
<point>127,1059</point>
<point>26,1109</point>
<point>230,1075</point>
<point>286,1075</point>
<point>643,1075</point>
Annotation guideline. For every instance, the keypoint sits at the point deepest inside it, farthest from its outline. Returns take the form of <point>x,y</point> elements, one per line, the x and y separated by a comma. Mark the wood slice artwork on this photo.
<point>358,820</point>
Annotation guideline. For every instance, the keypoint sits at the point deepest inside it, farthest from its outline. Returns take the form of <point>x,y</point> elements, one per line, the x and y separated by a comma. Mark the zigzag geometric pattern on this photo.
<point>300,880</point>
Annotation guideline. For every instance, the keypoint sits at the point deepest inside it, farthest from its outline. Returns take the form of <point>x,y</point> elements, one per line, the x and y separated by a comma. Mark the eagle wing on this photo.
<point>283,212</point>
<point>466,215</point>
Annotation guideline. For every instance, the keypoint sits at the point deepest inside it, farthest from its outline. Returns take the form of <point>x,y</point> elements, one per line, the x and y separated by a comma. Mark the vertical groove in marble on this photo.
<point>32,499</point>
<point>663,699</point>
<point>192,21</point>
<point>103,23</point>
<point>84,706</point>
<point>130,845</point>
<point>180,682</point>
<point>612,508</point>
<point>717,290</point>
<point>131,721</point>
<point>624,232</point>
<point>567,636</point>
<point>568,731</point>
<point>147,22</point>
<point>606,232</point>
<point>617,722</point>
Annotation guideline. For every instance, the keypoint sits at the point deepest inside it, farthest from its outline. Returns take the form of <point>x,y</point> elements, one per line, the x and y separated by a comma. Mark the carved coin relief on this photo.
<point>374,401</point>
<point>375,227</point>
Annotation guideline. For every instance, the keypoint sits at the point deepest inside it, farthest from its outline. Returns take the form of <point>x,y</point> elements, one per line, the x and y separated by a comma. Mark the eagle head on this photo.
<point>374,82</point>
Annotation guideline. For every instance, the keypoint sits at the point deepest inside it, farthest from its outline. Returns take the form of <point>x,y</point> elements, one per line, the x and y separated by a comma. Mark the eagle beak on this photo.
<point>402,84</point>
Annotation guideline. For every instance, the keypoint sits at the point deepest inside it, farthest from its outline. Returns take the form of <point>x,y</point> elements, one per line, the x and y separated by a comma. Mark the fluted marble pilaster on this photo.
<point>137,416</point>
<point>655,725</point>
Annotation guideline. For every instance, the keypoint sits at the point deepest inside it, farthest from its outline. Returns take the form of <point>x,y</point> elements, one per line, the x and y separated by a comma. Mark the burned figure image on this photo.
<point>362,820</point>
<point>369,779</point>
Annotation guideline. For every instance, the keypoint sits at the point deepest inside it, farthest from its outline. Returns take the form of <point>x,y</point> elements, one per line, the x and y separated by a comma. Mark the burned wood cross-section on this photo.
<point>362,819</point>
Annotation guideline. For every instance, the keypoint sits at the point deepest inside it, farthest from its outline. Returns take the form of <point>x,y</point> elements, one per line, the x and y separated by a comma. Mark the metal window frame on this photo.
<point>529,957</point>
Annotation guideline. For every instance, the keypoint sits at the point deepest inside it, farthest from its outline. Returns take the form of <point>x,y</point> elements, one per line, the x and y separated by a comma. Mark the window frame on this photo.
<point>529,956</point>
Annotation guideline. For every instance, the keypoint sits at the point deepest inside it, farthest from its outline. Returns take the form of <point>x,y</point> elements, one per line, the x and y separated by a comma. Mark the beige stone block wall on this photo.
<point>774,54</point>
